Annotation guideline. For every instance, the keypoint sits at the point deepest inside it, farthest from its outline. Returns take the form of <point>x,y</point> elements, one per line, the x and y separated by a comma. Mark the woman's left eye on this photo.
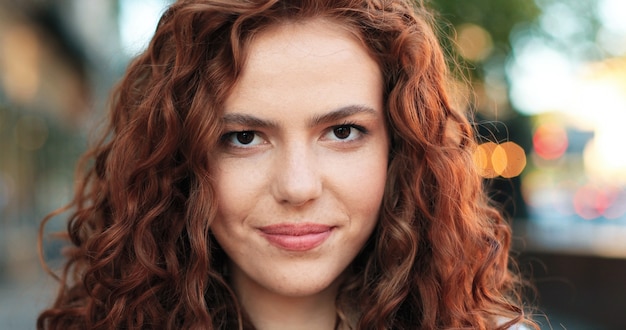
<point>242,139</point>
<point>347,132</point>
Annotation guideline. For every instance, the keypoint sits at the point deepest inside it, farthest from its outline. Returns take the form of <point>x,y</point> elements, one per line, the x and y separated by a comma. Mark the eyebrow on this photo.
<point>342,113</point>
<point>333,116</point>
<point>247,120</point>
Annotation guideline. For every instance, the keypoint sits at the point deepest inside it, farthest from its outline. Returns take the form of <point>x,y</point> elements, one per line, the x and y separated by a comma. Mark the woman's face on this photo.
<point>302,163</point>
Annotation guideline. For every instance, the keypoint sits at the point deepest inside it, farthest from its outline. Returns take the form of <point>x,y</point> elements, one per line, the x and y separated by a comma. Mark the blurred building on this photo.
<point>58,59</point>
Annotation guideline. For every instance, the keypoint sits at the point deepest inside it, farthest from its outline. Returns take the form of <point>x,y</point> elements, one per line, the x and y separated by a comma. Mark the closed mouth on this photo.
<point>296,237</point>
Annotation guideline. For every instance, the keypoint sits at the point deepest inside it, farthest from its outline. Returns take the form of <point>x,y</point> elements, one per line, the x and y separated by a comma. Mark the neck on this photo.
<point>270,310</point>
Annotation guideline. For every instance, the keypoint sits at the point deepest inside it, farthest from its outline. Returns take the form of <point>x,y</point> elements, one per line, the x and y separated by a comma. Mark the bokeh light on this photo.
<point>591,202</point>
<point>550,141</point>
<point>19,63</point>
<point>137,21</point>
<point>507,159</point>
<point>482,159</point>
<point>473,42</point>
<point>515,157</point>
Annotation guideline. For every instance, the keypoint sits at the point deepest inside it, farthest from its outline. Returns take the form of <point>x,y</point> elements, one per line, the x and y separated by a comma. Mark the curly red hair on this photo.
<point>142,255</point>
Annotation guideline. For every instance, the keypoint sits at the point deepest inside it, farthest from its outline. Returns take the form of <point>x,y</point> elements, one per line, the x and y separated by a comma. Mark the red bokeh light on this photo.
<point>591,202</point>
<point>550,141</point>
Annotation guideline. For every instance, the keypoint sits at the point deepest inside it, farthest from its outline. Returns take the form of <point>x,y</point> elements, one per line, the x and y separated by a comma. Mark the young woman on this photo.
<point>281,164</point>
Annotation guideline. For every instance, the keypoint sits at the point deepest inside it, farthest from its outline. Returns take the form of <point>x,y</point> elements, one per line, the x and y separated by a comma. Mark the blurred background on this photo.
<point>547,86</point>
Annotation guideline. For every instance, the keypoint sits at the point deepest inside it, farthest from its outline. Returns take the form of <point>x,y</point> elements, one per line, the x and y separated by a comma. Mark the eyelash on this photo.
<point>224,139</point>
<point>352,125</point>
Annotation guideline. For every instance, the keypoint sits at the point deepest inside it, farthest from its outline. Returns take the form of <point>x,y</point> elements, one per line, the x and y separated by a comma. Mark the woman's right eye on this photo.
<point>242,139</point>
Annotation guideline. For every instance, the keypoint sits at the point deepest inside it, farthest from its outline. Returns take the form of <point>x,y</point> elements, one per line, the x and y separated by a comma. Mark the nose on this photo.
<point>297,177</point>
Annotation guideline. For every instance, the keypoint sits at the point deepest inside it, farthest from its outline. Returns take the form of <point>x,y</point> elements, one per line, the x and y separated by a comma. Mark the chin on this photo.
<point>299,288</point>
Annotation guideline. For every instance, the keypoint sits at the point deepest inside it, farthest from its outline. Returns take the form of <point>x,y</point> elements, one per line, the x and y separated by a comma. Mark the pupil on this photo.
<point>245,137</point>
<point>342,132</point>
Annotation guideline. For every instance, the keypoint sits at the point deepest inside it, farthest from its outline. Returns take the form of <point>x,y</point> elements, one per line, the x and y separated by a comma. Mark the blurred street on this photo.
<point>543,81</point>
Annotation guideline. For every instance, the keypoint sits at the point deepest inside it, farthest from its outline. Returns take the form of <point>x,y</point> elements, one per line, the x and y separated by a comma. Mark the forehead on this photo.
<point>312,58</point>
<point>301,37</point>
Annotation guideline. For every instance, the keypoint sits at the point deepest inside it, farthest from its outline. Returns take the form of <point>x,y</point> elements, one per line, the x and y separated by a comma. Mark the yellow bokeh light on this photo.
<point>482,159</point>
<point>473,42</point>
<point>499,159</point>
<point>19,63</point>
<point>515,159</point>
<point>507,159</point>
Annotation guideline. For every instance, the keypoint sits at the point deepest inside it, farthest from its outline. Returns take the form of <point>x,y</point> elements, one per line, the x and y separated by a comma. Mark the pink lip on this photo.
<point>296,237</point>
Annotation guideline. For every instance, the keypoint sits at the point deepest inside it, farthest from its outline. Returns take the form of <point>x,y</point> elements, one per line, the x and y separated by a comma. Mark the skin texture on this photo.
<point>304,142</point>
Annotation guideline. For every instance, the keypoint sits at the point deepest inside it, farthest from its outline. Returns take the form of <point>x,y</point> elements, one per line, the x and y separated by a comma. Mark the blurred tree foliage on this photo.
<point>498,17</point>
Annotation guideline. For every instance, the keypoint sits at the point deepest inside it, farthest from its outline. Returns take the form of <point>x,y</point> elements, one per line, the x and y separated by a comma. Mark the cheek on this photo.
<point>227,185</point>
<point>236,187</point>
<point>230,207</point>
<point>232,197</point>
<point>362,183</point>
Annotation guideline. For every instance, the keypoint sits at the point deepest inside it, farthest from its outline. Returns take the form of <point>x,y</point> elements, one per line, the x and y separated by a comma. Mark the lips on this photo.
<point>296,237</point>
